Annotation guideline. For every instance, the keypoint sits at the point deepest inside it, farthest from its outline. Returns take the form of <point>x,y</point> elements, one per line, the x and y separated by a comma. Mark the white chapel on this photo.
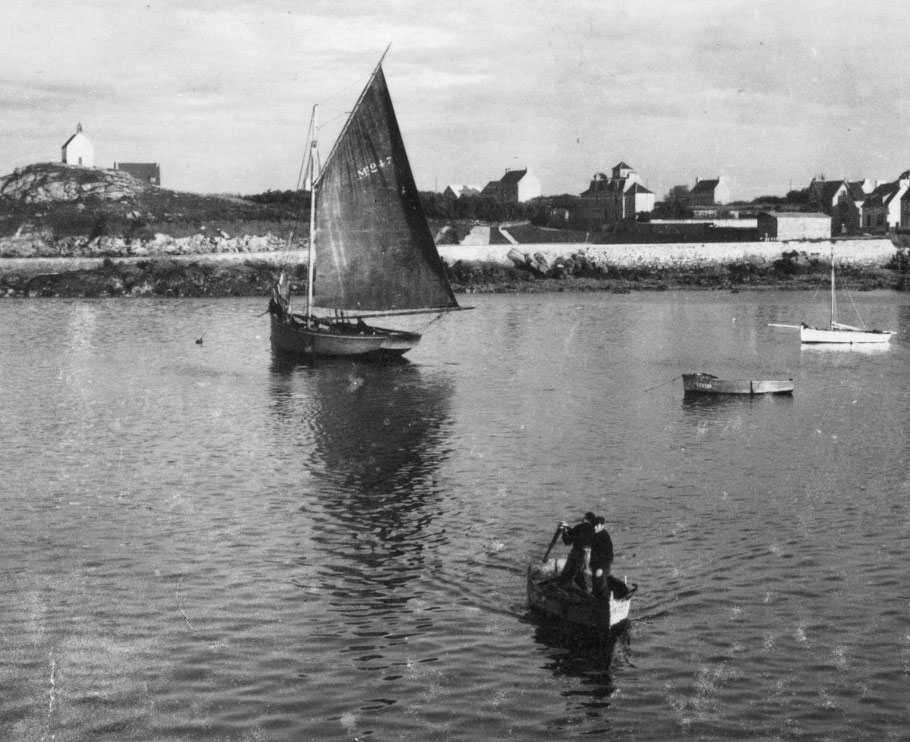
<point>77,150</point>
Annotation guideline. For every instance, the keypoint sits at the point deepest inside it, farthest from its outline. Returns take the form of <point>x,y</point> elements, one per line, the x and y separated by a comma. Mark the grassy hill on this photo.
<point>67,201</point>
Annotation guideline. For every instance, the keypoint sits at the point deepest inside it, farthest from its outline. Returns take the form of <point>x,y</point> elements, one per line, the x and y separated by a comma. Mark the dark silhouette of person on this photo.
<point>580,538</point>
<point>601,558</point>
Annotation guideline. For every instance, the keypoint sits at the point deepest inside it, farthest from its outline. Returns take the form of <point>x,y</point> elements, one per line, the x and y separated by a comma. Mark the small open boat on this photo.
<point>700,383</point>
<point>570,603</point>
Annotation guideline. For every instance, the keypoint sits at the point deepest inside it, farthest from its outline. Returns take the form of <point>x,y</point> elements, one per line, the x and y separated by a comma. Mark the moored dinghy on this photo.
<point>701,383</point>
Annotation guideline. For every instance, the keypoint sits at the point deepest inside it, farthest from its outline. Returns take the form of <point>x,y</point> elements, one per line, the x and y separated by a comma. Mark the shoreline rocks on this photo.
<point>209,265</point>
<point>42,244</point>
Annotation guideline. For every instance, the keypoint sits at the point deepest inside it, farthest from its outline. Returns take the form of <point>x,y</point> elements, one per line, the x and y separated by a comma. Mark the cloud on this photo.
<point>222,90</point>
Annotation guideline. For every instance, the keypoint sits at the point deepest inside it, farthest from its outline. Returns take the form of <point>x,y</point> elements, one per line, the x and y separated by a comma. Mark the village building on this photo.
<point>457,191</point>
<point>793,225</point>
<point>78,150</point>
<point>709,192</point>
<point>515,186</point>
<point>883,208</point>
<point>843,200</point>
<point>148,172</point>
<point>618,198</point>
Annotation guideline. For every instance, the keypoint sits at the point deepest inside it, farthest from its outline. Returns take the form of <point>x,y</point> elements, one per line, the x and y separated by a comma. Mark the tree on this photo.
<point>798,197</point>
<point>676,204</point>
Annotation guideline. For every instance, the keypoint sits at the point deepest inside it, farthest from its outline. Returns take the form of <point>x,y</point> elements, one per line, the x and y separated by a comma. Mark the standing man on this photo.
<point>601,558</point>
<point>580,538</point>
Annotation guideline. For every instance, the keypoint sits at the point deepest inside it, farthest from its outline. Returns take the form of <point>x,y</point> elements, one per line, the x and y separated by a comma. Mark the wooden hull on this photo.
<point>572,604</point>
<point>292,337</point>
<point>708,384</point>
<point>845,337</point>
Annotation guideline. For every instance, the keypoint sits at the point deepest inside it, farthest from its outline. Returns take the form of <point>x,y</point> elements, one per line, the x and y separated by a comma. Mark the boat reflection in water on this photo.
<point>714,401</point>
<point>368,436</point>
<point>586,656</point>
<point>366,443</point>
<point>808,349</point>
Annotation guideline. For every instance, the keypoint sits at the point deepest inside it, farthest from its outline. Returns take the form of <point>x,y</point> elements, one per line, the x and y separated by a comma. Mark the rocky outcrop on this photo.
<point>42,244</point>
<point>53,182</point>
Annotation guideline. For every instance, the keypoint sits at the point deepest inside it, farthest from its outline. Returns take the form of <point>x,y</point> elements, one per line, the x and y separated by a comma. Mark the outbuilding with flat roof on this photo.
<point>794,225</point>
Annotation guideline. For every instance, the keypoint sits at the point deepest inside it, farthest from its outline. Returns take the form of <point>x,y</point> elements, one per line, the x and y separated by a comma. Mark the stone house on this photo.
<point>515,186</point>
<point>883,208</point>
<point>78,150</point>
<point>842,199</point>
<point>615,199</point>
<point>148,172</point>
<point>709,192</point>
<point>793,225</point>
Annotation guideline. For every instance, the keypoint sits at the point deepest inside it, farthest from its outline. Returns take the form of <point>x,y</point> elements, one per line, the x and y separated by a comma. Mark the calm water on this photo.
<point>199,543</point>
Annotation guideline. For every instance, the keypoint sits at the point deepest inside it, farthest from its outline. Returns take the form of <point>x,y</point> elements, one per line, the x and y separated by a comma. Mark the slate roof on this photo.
<point>513,176</point>
<point>826,189</point>
<point>705,185</point>
<point>882,195</point>
<point>795,215</point>
<point>856,190</point>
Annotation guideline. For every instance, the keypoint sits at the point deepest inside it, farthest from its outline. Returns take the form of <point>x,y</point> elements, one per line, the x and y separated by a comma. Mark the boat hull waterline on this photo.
<point>293,337</point>
<point>810,335</point>
<point>709,384</point>
<point>572,604</point>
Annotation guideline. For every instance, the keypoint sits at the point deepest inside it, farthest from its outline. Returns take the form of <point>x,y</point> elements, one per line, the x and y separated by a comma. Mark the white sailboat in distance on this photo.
<point>837,332</point>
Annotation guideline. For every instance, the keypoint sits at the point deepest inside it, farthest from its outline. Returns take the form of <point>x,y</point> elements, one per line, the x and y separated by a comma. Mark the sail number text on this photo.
<point>373,167</point>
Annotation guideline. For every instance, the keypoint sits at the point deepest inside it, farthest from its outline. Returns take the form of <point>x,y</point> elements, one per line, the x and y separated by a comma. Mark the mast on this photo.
<point>310,251</point>
<point>833,318</point>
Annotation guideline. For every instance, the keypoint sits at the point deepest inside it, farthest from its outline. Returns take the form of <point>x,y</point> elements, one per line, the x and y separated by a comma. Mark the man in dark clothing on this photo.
<point>580,538</point>
<point>601,558</point>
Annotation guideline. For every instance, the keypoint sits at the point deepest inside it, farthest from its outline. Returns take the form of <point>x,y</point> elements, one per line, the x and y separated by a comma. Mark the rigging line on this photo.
<point>347,124</point>
<point>341,114</point>
<point>664,384</point>
<point>843,283</point>
<point>437,318</point>
<point>356,83</point>
<point>311,133</point>
<point>806,304</point>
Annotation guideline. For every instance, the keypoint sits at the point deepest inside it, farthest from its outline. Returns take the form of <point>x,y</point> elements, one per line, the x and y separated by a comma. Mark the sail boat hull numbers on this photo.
<point>373,168</point>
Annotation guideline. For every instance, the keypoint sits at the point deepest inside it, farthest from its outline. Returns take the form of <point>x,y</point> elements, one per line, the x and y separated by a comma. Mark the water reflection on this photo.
<point>368,441</point>
<point>370,431</point>
<point>705,402</point>
<point>585,657</point>
<point>869,349</point>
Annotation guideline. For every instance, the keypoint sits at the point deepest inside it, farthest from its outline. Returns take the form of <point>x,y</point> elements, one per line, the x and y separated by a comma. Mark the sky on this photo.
<point>767,93</point>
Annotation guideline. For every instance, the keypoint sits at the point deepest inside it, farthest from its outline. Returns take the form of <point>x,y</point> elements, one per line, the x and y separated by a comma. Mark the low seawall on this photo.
<point>865,253</point>
<point>529,267</point>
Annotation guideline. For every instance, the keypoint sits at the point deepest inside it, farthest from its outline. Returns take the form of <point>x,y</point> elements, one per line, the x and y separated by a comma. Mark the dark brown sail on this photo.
<point>374,250</point>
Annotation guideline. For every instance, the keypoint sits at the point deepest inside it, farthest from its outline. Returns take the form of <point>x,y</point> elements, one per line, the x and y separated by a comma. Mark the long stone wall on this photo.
<point>682,256</point>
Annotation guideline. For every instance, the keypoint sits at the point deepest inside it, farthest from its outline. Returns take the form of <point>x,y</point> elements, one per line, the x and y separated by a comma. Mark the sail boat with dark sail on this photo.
<point>371,253</point>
